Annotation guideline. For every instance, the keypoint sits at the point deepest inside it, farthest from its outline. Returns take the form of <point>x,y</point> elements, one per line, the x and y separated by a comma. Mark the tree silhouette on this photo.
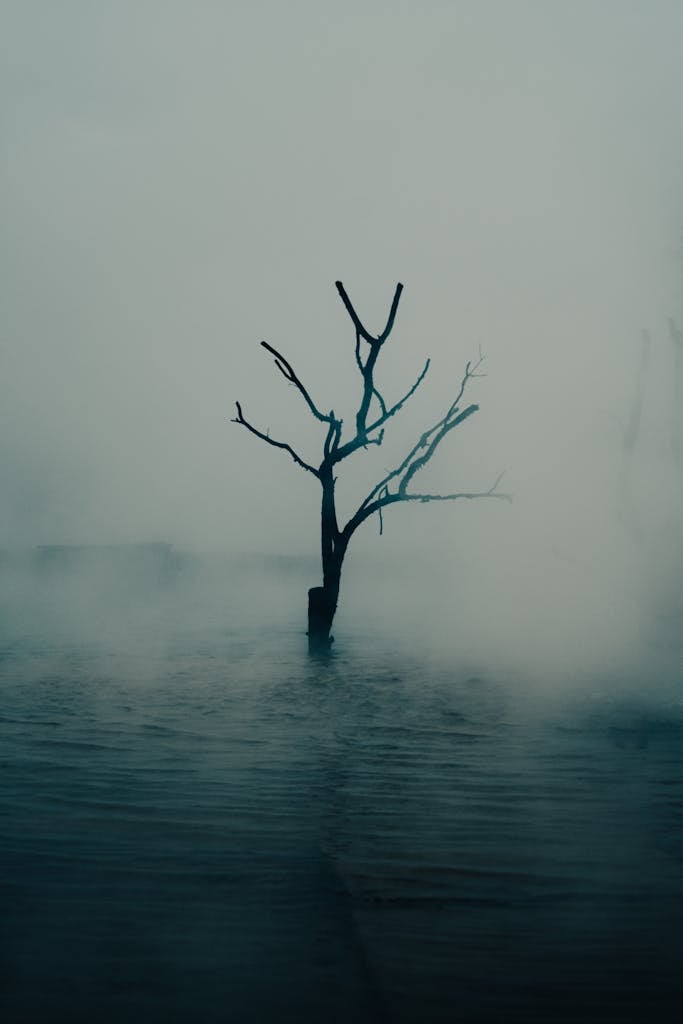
<point>372,416</point>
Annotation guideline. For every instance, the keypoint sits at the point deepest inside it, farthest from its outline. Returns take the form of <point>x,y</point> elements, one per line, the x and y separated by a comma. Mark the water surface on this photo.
<point>201,823</point>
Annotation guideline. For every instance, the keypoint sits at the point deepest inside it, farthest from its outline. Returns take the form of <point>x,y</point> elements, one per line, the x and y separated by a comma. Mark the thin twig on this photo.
<point>269,440</point>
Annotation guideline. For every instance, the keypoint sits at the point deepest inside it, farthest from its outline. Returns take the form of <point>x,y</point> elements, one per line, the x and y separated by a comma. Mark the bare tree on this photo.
<point>372,416</point>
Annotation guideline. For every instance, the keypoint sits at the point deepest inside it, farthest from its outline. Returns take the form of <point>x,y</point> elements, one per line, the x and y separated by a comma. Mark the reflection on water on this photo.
<point>226,830</point>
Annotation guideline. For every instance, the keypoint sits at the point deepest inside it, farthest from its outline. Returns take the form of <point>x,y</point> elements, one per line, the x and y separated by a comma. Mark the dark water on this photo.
<point>216,828</point>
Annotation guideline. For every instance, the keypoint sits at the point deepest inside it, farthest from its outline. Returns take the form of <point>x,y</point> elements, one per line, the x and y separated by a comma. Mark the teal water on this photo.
<point>203,824</point>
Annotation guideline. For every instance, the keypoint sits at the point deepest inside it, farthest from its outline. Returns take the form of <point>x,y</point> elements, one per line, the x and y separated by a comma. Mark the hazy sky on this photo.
<point>181,180</point>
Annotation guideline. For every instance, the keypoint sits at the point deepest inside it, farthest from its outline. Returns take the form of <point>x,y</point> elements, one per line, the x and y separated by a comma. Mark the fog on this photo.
<point>182,181</point>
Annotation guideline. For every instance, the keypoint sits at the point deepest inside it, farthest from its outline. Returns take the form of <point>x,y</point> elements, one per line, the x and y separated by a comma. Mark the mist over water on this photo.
<point>202,821</point>
<point>472,808</point>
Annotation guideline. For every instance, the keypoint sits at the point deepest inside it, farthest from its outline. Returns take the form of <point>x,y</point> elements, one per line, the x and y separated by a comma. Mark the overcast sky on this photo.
<point>181,180</point>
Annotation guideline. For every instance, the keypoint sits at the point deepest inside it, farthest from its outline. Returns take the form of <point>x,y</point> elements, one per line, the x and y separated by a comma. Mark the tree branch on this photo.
<point>444,427</point>
<point>288,373</point>
<point>363,440</point>
<point>388,413</point>
<point>333,435</point>
<point>360,328</point>
<point>382,403</point>
<point>470,374</point>
<point>365,511</point>
<point>430,439</point>
<point>276,444</point>
<point>417,458</point>
<point>359,361</point>
<point>392,314</point>
<point>370,390</point>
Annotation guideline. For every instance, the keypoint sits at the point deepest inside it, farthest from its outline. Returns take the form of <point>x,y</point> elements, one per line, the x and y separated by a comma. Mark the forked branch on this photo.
<point>417,458</point>
<point>362,437</point>
<point>367,368</point>
<point>334,425</point>
<point>360,328</point>
<point>431,438</point>
<point>288,373</point>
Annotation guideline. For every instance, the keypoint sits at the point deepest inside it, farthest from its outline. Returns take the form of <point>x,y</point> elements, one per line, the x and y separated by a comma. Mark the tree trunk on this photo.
<point>322,604</point>
<point>322,601</point>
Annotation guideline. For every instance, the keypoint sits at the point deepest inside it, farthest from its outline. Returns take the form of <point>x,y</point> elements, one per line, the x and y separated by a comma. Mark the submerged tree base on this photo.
<point>321,609</point>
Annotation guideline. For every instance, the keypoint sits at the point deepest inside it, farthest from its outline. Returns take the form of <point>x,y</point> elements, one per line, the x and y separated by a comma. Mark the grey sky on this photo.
<point>180,180</point>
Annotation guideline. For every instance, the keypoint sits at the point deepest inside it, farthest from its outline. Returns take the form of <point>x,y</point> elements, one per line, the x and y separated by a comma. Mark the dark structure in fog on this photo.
<point>676,336</point>
<point>372,415</point>
<point>144,563</point>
